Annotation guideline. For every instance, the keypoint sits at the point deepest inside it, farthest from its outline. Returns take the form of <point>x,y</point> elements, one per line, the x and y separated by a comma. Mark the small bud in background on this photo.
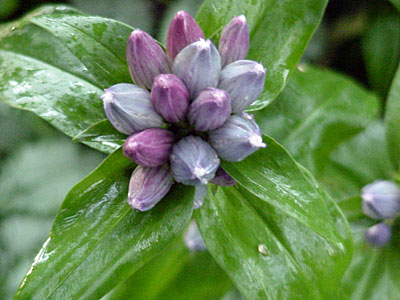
<point>234,41</point>
<point>193,239</point>
<point>210,109</point>
<point>193,161</point>
<point>381,200</point>
<point>222,178</point>
<point>199,195</point>
<point>148,186</point>
<point>150,147</point>
<point>244,81</point>
<point>199,66</point>
<point>128,108</point>
<point>183,30</point>
<point>239,137</point>
<point>170,97</point>
<point>378,235</point>
<point>146,59</point>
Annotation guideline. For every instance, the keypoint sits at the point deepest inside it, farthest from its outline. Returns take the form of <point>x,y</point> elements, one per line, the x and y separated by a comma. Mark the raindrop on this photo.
<point>13,28</point>
<point>263,249</point>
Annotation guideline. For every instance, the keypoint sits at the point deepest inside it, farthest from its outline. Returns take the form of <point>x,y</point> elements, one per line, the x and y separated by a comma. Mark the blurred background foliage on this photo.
<point>38,164</point>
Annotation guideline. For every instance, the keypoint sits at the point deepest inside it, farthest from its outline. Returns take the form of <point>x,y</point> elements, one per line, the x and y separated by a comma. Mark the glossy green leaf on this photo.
<point>396,3</point>
<point>279,33</point>
<point>278,236</point>
<point>176,274</point>
<point>317,111</point>
<point>357,162</point>
<point>102,136</point>
<point>373,273</point>
<point>97,241</point>
<point>381,46</point>
<point>57,61</point>
<point>392,121</point>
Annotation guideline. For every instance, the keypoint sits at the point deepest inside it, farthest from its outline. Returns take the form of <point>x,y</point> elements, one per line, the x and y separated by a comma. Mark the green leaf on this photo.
<point>381,46</point>
<point>396,3</point>
<point>102,136</point>
<point>392,121</point>
<point>317,111</point>
<point>57,61</point>
<point>278,236</point>
<point>176,274</point>
<point>373,273</point>
<point>97,241</point>
<point>279,33</point>
<point>8,7</point>
<point>357,162</point>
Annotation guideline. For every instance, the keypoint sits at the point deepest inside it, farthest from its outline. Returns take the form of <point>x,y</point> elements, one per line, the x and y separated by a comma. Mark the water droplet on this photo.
<point>13,28</point>
<point>302,67</point>
<point>263,249</point>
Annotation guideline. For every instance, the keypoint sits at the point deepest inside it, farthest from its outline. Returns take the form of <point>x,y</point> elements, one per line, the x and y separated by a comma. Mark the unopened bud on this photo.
<point>146,59</point>
<point>381,200</point>
<point>170,97</point>
<point>244,81</point>
<point>193,161</point>
<point>182,31</point>
<point>222,178</point>
<point>150,147</point>
<point>193,239</point>
<point>234,41</point>
<point>128,108</point>
<point>378,235</point>
<point>239,137</point>
<point>210,109</point>
<point>148,186</point>
<point>199,66</point>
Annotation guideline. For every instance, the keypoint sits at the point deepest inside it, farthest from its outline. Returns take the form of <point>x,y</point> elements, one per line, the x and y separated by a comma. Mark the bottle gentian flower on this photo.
<point>178,114</point>
<point>378,235</point>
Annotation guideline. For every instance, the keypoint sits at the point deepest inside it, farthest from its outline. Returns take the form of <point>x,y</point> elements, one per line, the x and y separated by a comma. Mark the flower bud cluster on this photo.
<point>185,111</point>
<point>380,201</point>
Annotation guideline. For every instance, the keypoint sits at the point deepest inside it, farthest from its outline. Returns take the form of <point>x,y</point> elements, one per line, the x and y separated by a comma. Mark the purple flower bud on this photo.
<point>182,31</point>
<point>193,239</point>
<point>199,195</point>
<point>146,59</point>
<point>128,108</point>
<point>170,97</point>
<point>222,178</point>
<point>150,147</point>
<point>381,200</point>
<point>378,235</point>
<point>193,161</point>
<point>210,109</point>
<point>148,186</point>
<point>239,137</point>
<point>234,42</point>
<point>244,81</point>
<point>198,65</point>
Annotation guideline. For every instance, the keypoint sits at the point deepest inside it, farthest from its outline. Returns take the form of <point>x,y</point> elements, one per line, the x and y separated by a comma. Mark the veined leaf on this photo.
<point>278,236</point>
<point>97,241</point>
<point>279,33</point>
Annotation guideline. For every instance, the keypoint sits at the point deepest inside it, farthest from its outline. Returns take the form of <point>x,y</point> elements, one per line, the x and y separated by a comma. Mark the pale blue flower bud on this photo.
<point>128,108</point>
<point>234,41</point>
<point>210,109</point>
<point>150,147</point>
<point>148,186</point>
<point>199,195</point>
<point>244,81</point>
<point>239,137</point>
<point>222,178</point>
<point>378,235</point>
<point>199,66</point>
<point>193,161</point>
<point>381,200</point>
<point>192,238</point>
<point>170,97</point>
<point>146,59</point>
<point>182,31</point>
